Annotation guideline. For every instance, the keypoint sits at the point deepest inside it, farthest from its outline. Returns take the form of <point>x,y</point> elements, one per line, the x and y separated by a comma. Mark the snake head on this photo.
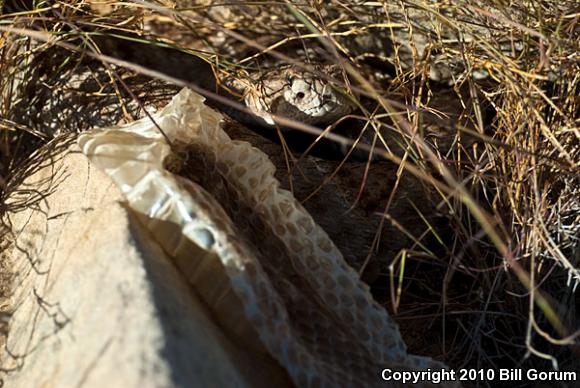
<point>298,95</point>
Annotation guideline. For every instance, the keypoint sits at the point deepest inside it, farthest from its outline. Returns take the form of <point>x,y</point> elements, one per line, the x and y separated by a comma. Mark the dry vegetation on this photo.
<point>500,289</point>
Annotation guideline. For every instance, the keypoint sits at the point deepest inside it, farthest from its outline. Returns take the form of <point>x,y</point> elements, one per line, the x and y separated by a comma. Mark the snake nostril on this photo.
<point>300,95</point>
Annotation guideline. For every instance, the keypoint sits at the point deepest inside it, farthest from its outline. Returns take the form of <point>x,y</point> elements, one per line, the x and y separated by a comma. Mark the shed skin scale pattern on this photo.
<point>282,285</point>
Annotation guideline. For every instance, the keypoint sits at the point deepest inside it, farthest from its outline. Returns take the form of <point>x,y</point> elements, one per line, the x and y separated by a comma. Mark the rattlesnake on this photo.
<point>286,91</point>
<point>403,37</point>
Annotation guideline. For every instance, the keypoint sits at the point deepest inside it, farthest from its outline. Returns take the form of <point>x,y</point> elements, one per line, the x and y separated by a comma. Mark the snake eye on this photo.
<point>290,79</point>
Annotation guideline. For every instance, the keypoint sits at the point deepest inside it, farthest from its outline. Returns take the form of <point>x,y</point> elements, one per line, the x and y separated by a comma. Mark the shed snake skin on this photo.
<point>272,276</point>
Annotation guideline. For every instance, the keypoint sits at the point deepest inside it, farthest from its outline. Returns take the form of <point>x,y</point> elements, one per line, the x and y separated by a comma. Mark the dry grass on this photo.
<point>499,290</point>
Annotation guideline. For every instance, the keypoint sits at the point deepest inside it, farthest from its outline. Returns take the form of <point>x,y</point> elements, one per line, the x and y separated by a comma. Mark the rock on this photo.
<point>95,301</point>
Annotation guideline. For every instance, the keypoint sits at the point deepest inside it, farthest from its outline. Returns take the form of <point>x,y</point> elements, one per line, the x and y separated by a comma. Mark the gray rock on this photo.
<point>95,301</point>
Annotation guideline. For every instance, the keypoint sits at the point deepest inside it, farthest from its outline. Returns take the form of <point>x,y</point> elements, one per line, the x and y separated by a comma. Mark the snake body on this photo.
<point>287,91</point>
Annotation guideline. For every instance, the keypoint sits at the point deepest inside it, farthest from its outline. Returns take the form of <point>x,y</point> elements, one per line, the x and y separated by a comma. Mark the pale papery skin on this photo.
<point>273,278</point>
